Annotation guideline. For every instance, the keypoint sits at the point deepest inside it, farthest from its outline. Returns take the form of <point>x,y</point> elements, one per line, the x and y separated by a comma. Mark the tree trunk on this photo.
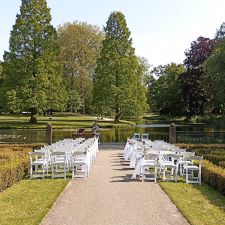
<point>117,117</point>
<point>33,115</point>
<point>117,106</point>
<point>188,118</point>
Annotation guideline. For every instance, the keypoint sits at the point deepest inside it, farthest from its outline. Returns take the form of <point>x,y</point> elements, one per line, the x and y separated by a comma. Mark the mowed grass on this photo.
<point>201,205</point>
<point>58,122</point>
<point>28,201</point>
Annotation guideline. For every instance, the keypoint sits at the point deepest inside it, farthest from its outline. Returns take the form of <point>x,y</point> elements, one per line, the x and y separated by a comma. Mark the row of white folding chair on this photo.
<point>165,163</point>
<point>58,156</point>
<point>83,159</point>
<point>130,147</point>
<point>169,166</point>
<point>141,137</point>
<point>178,153</point>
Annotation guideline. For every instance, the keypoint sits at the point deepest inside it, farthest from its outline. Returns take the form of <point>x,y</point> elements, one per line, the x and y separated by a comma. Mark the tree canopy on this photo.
<point>117,79</point>
<point>31,66</point>
<point>215,67</point>
<point>80,47</point>
<point>195,86</point>
<point>164,92</point>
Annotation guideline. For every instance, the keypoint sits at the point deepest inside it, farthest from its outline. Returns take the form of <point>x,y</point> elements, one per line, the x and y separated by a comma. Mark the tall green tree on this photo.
<point>32,67</point>
<point>117,79</point>
<point>215,67</point>
<point>80,47</point>
<point>1,73</point>
<point>1,83</point>
<point>164,92</point>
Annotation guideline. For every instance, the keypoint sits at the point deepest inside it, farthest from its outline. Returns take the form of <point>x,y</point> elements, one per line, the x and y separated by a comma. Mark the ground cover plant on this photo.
<point>28,201</point>
<point>201,205</point>
<point>59,122</point>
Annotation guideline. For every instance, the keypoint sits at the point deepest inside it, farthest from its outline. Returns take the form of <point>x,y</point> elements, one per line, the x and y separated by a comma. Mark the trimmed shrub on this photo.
<point>213,153</point>
<point>214,176</point>
<point>14,163</point>
<point>222,164</point>
<point>213,172</point>
<point>214,158</point>
<point>13,172</point>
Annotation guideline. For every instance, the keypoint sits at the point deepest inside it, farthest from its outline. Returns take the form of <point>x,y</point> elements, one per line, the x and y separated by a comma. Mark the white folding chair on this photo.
<point>38,164</point>
<point>137,136</point>
<point>169,166</point>
<point>182,161</point>
<point>58,164</point>
<point>149,164</point>
<point>144,137</point>
<point>193,170</point>
<point>80,164</point>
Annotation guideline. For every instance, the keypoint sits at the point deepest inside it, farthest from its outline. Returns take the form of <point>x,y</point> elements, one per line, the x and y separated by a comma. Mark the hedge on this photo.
<point>214,176</point>
<point>13,172</point>
<point>14,163</point>
<point>213,153</point>
<point>213,172</point>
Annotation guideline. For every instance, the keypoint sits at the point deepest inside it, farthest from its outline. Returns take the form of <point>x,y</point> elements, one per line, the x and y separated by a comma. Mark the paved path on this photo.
<point>110,197</point>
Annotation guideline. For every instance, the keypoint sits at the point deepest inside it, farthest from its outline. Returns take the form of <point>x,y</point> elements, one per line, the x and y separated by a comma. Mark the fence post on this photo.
<point>173,135</point>
<point>48,134</point>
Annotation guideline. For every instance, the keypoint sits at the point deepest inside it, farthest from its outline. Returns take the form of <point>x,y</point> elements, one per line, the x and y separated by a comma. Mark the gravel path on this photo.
<point>110,197</point>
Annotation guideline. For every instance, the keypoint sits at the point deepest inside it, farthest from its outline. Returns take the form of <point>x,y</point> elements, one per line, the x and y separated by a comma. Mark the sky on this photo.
<point>161,30</point>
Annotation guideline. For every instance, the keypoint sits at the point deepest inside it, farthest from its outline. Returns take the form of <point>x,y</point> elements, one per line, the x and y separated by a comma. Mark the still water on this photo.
<point>156,129</point>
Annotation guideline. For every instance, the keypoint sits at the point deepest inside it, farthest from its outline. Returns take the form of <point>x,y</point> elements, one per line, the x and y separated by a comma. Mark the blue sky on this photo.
<point>161,29</point>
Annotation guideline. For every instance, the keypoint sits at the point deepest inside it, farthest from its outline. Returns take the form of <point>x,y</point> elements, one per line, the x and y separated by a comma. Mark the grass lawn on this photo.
<point>201,205</point>
<point>58,122</point>
<point>28,201</point>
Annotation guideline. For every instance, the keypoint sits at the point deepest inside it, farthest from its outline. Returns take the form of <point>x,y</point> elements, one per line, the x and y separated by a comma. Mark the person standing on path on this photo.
<point>95,129</point>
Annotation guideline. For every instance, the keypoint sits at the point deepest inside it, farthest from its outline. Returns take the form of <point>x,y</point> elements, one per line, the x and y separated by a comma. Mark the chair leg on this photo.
<point>31,172</point>
<point>64,168</point>
<point>155,174</point>
<point>164,174</point>
<point>73,172</point>
<point>142,174</point>
<point>186,171</point>
<point>43,172</point>
<point>52,171</point>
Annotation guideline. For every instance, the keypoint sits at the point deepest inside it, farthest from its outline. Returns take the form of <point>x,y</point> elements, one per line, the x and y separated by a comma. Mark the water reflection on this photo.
<point>156,130</point>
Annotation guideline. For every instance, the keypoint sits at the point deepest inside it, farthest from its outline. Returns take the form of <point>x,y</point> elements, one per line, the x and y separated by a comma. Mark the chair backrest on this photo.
<point>145,136</point>
<point>78,153</point>
<point>58,154</point>
<point>194,158</point>
<point>179,150</point>
<point>151,156</point>
<point>37,153</point>
<point>187,154</point>
<point>171,156</point>
<point>37,156</point>
<point>137,136</point>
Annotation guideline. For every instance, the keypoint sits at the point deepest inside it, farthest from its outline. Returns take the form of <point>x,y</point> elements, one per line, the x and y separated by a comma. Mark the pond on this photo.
<point>156,129</point>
